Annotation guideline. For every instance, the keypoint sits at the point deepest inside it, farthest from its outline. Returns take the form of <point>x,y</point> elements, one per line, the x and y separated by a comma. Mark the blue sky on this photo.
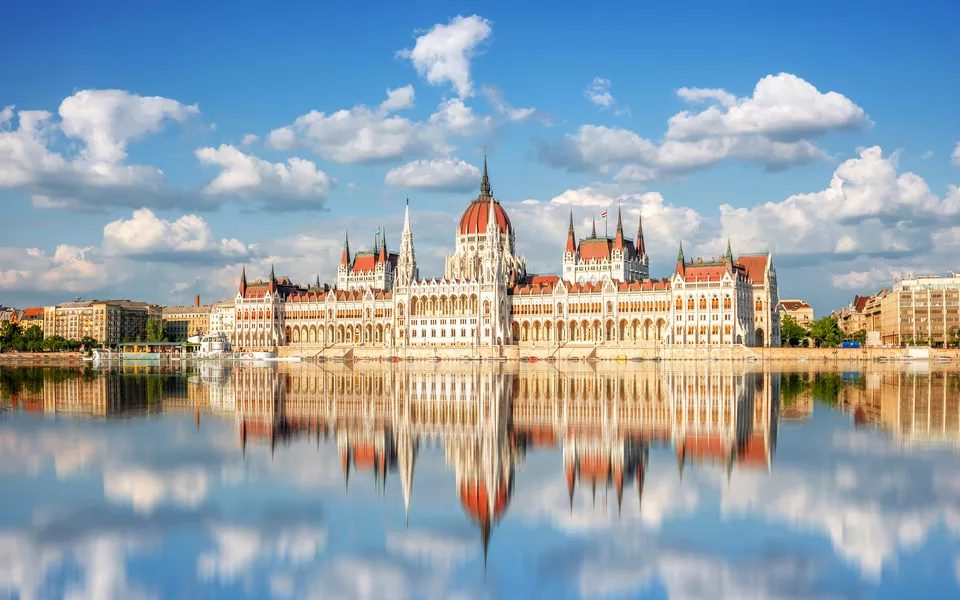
<point>145,180</point>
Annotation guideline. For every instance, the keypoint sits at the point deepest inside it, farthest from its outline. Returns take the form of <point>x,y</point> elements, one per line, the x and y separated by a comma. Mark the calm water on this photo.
<point>462,481</point>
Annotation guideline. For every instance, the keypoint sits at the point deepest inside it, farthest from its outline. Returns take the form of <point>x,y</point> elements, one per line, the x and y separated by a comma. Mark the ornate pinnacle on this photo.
<point>485,182</point>
<point>680,254</point>
<point>729,251</point>
<point>593,232</point>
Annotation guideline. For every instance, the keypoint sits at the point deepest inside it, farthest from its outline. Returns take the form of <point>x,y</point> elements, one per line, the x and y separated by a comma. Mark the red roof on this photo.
<point>33,312</point>
<point>598,249</point>
<point>474,219</point>
<point>755,266</point>
<point>476,502</point>
<point>364,261</point>
<point>859,302</point>
<point>793,304</point>
<point>542,280</point>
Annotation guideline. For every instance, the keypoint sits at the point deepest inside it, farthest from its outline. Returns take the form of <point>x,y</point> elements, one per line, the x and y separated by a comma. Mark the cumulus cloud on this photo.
<point>250,139</point>
<point>870,280</point>
<point>956,155</point>
<point>246,175</point>
<point>398,99</point>
<point>449,174</point>
<point>107,119</point>
<point>783,105</point>
<point>365,135</point>
<point>926,155</point>
<point>769,129</point>
<point>145,235</point>
<point>443,53</point>
<point>6,114</point>
<point>69,269</point>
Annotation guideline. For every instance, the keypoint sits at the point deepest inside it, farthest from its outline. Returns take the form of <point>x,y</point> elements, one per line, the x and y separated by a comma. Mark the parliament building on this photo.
<point>486,297</point>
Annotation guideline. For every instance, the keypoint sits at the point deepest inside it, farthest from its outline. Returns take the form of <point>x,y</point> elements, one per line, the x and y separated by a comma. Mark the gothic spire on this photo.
<point>639,243</point>
<point>273,276</point>
<point>345,258</point>
<point>485,182</point>
<point>318,281</point>
<point>571,236</point>
<point>680,254</point>
<point>243,280</point>
<point>618,238</point>
<point>593,232</point>
<point>729,255</point>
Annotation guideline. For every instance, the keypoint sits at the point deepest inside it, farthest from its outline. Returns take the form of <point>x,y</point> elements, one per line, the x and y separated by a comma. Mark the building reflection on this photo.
<point>486,418</point>
<point>915,409</point>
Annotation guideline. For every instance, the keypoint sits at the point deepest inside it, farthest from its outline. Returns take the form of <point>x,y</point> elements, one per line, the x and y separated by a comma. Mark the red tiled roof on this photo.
<point>595,249</point>
<point>476,502</point>
<point>364,261</point>
<point>542,280</point>
<point>793,304</point>
<point>859,302</point>
<point>32,312</point>
<point>474,219</point>
<point>703,272</point>
<point>755,266</point>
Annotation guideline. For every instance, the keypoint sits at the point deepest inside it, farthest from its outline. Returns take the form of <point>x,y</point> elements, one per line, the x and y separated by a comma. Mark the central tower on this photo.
<point>485,233</point>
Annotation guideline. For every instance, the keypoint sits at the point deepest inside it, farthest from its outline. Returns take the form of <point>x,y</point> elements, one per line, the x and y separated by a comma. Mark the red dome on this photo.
<point>475,218</point>
<point>475,501</point>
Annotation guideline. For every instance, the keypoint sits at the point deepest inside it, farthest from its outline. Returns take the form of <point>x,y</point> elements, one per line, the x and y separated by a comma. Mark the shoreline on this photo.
<point>553,354</point>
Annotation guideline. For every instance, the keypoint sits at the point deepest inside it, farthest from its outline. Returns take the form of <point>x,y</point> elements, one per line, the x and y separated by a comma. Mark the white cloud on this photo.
<point>6,114</point>
<point>70,269</point>
<point>584,196</point>
<point>443,54</point>
<point>107,119</point>
<point>926,155</point>
<point>767,129</point>
<point>496,99</point>
<point>598,92</point>
<point>782,105</point>
<point>956,155</point>
<point>440,174</point>
<point>721,97</point>
<point>145,489</point>
<point>363,134</point>
<point>147,235</point>
<point>250,139</point>
<point>398,99</point>
<point>246,175</point>
<point>240,547</point>
<point>865,281</point>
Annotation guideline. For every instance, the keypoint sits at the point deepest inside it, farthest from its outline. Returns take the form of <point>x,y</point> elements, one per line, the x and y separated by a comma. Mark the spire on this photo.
<point>571,239</point>
<point>485,537</point>
<point>376,242</point>
<point>570,484</point>
<point>485,182</point>
<point>729,255</point>
<point>680,263</point>
<point>318,281</point>
<point>593,231</point>
<point>243,280</point>
<point>273,275</point>
<point>639,243</point>
<point>618,239</point>
<point>383,245</point>
<point>345,258</point>
<point>406,216</point>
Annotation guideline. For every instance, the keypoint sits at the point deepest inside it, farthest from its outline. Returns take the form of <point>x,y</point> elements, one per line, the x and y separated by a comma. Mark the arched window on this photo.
<point>690,304</point>
<point>759,305</point>
<point>703,303</point>
<point>715,303</point>
<point>679,303</point>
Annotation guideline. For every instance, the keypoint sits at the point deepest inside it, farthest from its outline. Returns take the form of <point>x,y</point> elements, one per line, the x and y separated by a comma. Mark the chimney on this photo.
<point>197,300</point>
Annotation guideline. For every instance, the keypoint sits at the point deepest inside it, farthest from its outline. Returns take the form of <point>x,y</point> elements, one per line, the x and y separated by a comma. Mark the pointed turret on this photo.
<point>639,243</point>
<point>318,281</point>
<point>383,246</point>
<point>485,182</point>
<point>570,484</point>
<point>680,263</point>
<point>729,254</point>
<point>618,239</point>
<point>273,279</point>
<point>345,257</point>
<point>571,236</point>
<point>243,280</point>
<point>593,230</point>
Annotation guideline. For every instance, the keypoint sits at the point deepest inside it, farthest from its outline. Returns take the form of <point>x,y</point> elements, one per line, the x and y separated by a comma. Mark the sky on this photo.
<point>151,152</point>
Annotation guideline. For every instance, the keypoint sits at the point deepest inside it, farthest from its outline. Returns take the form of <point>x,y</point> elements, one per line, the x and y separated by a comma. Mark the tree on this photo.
<point>859,336</point>
<point>953,337</point>
<point>156,331</point>
<point>791,332</point>
<point>826,333</point>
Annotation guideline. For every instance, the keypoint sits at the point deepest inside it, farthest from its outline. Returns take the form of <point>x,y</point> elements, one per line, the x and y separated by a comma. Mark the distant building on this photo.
<point>851,318</point>
<point>921,310</point>
<point>222,317</point>
<point>32,317</point>
<point>801,312</point>
<point>107,321</point>
<point>182,322</point>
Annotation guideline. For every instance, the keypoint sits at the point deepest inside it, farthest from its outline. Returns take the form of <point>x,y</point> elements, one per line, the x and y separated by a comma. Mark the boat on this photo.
<point>151,351</point>
<point>434,359</point>
<point>533,359</point>
<point>102,355</point>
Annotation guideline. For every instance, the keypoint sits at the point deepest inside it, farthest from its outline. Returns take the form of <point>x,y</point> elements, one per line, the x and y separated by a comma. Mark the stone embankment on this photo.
<point>39,359</point>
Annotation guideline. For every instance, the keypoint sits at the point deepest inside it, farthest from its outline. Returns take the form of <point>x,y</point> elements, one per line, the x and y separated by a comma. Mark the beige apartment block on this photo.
<point>801,312</point>
<point>921,311</point>
<point>222,317</point>
<point>107,321</point>
<point>185,321</point>
<point>851,318</point>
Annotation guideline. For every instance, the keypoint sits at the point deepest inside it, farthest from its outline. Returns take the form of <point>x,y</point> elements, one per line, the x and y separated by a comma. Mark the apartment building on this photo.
<point>107,321</point>
<point>182,322</point>
<point>922,310</point>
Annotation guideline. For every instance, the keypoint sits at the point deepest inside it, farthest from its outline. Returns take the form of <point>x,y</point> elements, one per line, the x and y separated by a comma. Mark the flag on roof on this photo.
<point>603,215</point>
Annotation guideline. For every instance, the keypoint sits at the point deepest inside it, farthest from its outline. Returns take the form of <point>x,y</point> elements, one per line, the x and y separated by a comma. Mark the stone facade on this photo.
<point>487,299</point>
<point>107,321</point>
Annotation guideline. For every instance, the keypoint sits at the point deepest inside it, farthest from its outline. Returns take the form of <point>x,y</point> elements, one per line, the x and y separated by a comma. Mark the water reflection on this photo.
<point>698,440</point>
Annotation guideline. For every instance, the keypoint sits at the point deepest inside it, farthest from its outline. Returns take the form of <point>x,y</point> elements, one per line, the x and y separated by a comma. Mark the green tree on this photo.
<point>826,333</point>
<point>953,337</point>
<point>859,336</point>
<point>791,332</point>
<point>10,333</point>
<point>156,331</point>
